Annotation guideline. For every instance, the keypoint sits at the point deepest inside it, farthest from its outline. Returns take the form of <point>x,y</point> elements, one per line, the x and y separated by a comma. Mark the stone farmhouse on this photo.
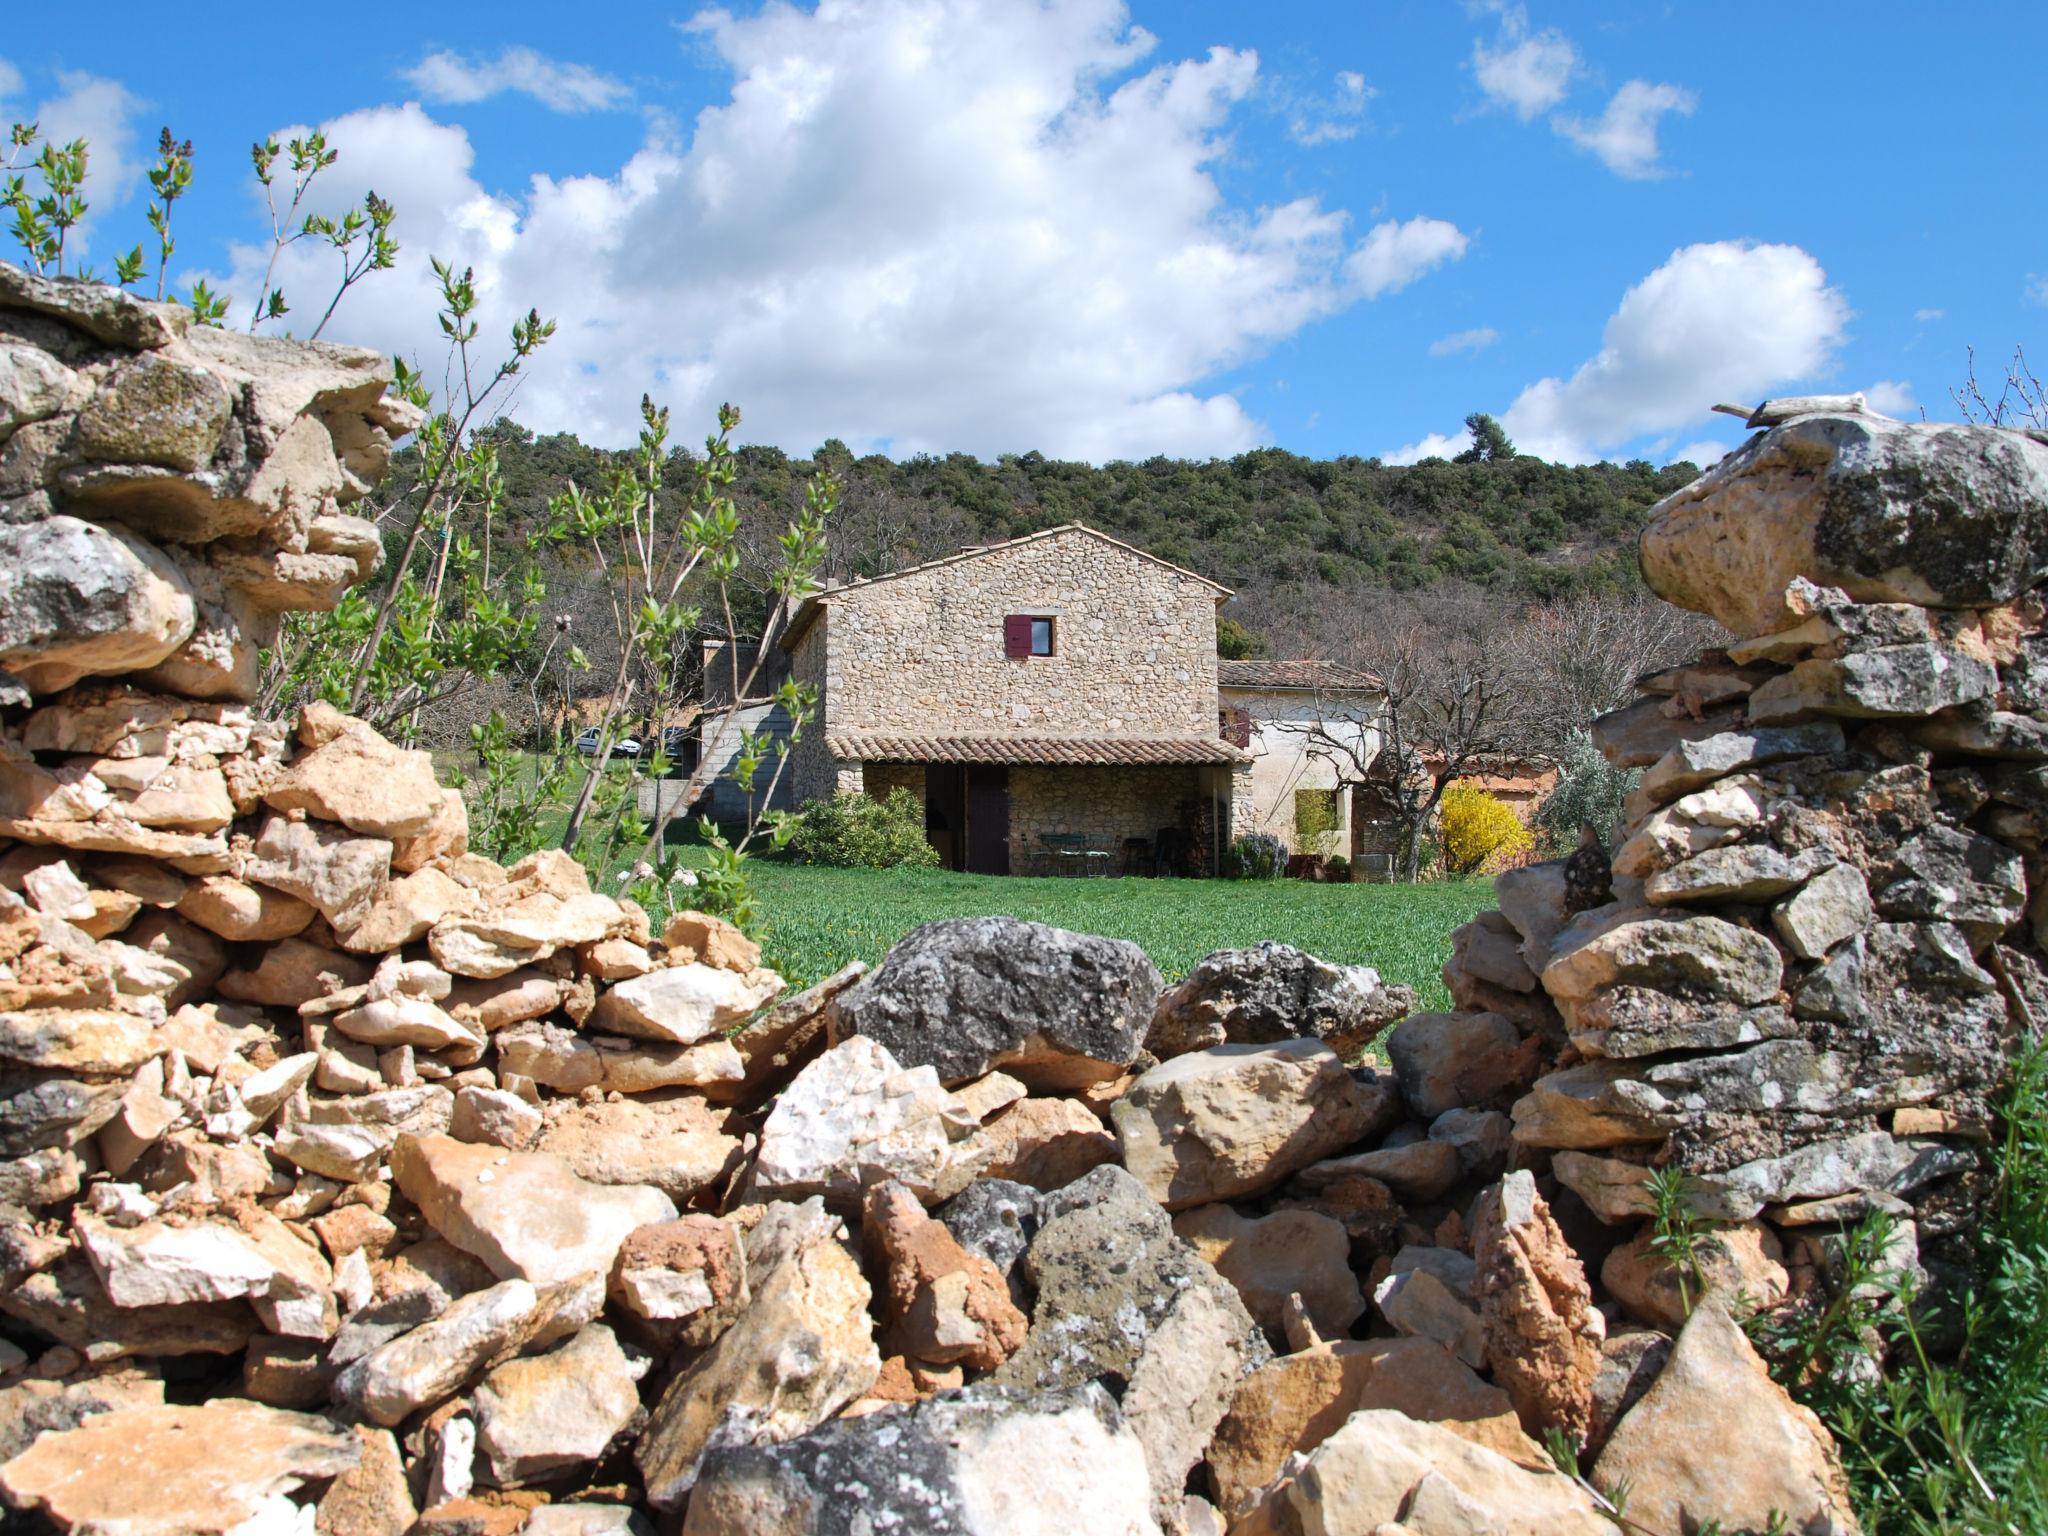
<point>1056,703</point>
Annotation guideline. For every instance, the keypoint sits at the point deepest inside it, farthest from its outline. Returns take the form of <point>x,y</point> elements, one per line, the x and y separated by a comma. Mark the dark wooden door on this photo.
<point>988,820</point>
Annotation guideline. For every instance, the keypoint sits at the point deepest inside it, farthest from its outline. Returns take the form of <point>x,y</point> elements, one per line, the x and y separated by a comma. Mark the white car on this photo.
<point>625,746</point>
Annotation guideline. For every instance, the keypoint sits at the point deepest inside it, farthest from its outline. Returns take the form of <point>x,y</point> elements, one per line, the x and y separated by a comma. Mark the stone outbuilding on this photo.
<point>1054,701</point>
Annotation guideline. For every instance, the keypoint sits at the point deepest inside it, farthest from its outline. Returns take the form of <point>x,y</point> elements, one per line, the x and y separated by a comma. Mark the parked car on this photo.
<point>625,746</point>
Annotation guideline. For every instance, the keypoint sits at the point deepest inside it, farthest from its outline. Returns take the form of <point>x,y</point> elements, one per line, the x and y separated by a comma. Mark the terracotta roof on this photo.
<point>1327,676</point>
<point>807,610</point>
<point>1086,751</point>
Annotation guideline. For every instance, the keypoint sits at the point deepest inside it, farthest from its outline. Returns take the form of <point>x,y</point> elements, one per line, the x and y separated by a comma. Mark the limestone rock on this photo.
<point>430,1363</point>
<point>1696,953</point>
<point>1236,1119</point>
<point>674,1144</point>
<point>78,599</point>
<point>1120,1298</point>
<point>547,1413</point>
<point>494,1118</point>
<point>1421,1303</point>
<point>162,1263</point>
<point>685,1280</point>
<point>1832,906</point>
<point>683,1004</point>
<point>294,972</point>
<point>700,938</point>
<point>1419,1170</point>
<point>940,1302</point>
<point>855,1109</point>
<point>523,1213</point>
<point>1274,992</point>
<point>1716,1438</point>
<point>802,1349</point>
<point>356,777</point>
<point>1446,1061</point>
<point>1946,516</point>
<point>1746,873</point>
<point>1046,1143</point>
<point>371,1498</point>
<point>1637,734</point>
<point>996,1218</point>
<point>243,913</point>
<point>1740,1267</point>
<point>405,910</point>
<point>1542,1333</point>
<point>966,996</point>
<point>989,1461</point>
<point>321,865</point>
<point>1693,765</point>
<point>228,1465</point>
<point>569,1063</point>
<point>1269,1258</point>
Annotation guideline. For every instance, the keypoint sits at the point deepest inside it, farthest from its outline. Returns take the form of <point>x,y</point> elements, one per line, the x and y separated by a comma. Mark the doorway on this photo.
<point>988,819</point>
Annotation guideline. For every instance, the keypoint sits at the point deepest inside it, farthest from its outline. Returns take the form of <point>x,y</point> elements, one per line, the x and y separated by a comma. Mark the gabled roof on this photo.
<point>1305,676</point>
<point>807,610</point>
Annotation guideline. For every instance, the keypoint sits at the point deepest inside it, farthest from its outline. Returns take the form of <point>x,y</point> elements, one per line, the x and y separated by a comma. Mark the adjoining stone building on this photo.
<point>1053,701</point>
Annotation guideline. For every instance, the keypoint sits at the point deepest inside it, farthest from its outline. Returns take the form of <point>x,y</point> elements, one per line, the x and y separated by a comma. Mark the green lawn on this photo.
<point>816,919</point>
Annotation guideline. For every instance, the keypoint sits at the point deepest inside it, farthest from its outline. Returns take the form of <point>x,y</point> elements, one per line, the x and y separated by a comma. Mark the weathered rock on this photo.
<point>1637,734</point>
<point>1694,954</point>
<point>67,1302</point>
<point>1889,682</point>
<point>406,909</point>
<point>1236,1119</point>
<point>1446,1061</point>
<point>674,1144</point>
<point>1716,1438</point>
<point>1296,1402</point>
<point>78,599</point>
<point>523,1213</point>
<point>356,777</point>
<point>159,1263</point>
<point>1269,1258</point>
<point>371,1498</point>
<point>1829,908</point>
<point>494,1118</point>
<point>1046,1143</point>
<point>404,1020</point>
<point>700,938</point>
<point>430,1363</point>
<point>855,1109</point>
<point>1418,1170</point>
<point>1120,1298</point>
<point>989,1461</point>
<point>1532,899</point>
<point>940,1302</point>
<point>683,1004</point>
<point>1385,1472</point>
<point>555,1058</point>
<point>685,1280</point>
<point>1693,765</point>
<point>1542,1333</point>
<point>802,1350</point>
<point>1422,1303</point>
<point>966,996</point>
<point>1946,516</point>
<point>1274,992</point>
<point>548,1413</point>
<point>293,972</point>
<point>1745,873</point>
<point>1707,818</point>
<point>997,1219</point>
<point>790,1032</point>
<point>1739,1266</point>
<point>225,1466</point>
<point>1629,1363</point>
<point>1952,876</point>
<point>323,866</point>
<point>243,913</point>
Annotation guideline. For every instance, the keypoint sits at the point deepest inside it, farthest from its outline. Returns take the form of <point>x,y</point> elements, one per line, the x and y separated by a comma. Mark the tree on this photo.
<point>1490,444</point>
<point>1580,656</point>
<point>1236,643</point>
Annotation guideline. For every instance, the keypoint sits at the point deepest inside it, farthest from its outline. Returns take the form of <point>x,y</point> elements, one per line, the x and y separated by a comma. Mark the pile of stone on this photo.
<point>351,1180</point>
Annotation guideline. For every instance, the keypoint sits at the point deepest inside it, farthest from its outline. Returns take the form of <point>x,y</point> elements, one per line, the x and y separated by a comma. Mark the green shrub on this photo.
<point>1337,867</point>
<point>856,831</point>
<point>1256,856</point>
<point>1589,790</point>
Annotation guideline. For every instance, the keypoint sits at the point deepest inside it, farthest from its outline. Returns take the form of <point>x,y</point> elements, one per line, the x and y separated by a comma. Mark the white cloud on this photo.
<point>1394,254</point>
<point>100,111</point>
<point>1433,445</point>
<point>1478,339</point>
<point>2037,288</point>
<point>1925,316</point>
<point>10,82</point>
<point>1625,135</point>
<point>1731,320</point>
<point>558,86</point>
<point>1704,452</point>
<point>1892,397</point>
<point>1334,118</point>
<point>1526,73</point>
<point>913,227</point>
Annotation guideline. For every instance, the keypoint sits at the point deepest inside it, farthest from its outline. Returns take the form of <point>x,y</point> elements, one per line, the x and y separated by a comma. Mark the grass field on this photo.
<point>816,919</point>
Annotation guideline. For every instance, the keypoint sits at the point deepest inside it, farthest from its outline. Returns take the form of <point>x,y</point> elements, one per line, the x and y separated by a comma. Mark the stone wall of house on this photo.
<point>1283,721</point>
<point>812,774</point>
<point>922,653</point>
<point>880,779</point>
<point>1104,805</point>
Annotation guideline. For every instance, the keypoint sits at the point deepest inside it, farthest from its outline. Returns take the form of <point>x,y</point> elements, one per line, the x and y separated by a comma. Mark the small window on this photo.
<point>1027,634</point>
<point>1041,637</point>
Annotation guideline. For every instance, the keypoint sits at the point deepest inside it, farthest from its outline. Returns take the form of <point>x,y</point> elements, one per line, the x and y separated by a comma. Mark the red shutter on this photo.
<point>1240,732</point>
<point>1017,634</point>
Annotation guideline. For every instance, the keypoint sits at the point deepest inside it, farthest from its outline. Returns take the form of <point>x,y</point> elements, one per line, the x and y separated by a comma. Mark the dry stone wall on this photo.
<point>352,1182</point>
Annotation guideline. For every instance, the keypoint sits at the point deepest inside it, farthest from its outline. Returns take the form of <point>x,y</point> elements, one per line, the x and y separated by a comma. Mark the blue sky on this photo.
<point>1107,230</point>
